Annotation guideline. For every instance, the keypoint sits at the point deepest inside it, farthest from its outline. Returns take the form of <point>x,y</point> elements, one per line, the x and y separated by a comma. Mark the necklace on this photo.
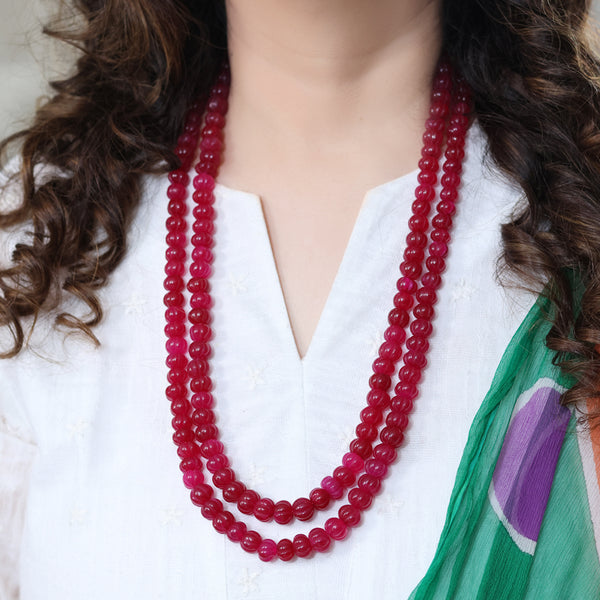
<point>385,417</point>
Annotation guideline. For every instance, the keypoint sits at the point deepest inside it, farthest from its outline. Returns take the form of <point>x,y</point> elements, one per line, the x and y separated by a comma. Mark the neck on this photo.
<point>337,75</point>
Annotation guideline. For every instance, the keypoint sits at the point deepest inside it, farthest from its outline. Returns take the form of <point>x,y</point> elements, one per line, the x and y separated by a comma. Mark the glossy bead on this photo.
<point>423,311</point>
<point>359,498</point>
<point>216,463</point>
<point>192,479</point>
<point>376,468</point>
<point>385,453</point>
<point>247,502</point>
<point>392,436</point>
<point>202,400</point>
<point>378,399</point>
<point>285,549</point>
<point>251,541</point>
<point>369,483</point>
<point>396,419</point>
<point>233,491</point>
<point>174,315</point>
<point>333,487</point>
<point>430,281</point>
<point>349,515</point>
<point>344,475</point>
<point>212,508</point>
<point>380,382</point>
<point>201,494</point>
<point>390,351</point>
<point>381,366</point>
<point>361,447</point>
<point>320,498</point>
<point>223,521</point>
<point>398,318</point>
<point>402,404</point>
<point>223,478</point>
<point>436,264</point>
<point>282,512</point>
<point>267,550</point>
<point>366,432</point>
<point>370,416</point>
<point>206,432</point>
<point>237,531</point>
<point>395,335</point>
<point>303,509</point>
<point>264,509</point>
<point>211,448</point>
<point>415,359</point>
<point>302,545</point>
<point>176,191</point>
<point>336,528</point>
<point>319,539</point>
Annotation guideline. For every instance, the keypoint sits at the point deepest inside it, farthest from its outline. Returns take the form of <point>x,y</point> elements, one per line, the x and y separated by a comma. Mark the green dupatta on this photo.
<point>524,516</point>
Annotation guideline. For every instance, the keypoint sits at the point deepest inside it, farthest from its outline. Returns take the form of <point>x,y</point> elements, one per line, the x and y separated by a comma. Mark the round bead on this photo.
<point>319,539</point>
<point>359,498</point>
<point>223,478</point>
<point>211,448</point>
<point>282,512</point>
<point>285,549</point>
<point>302,545</point>
<point>369,483</point>
<point>353,461</point>
<point>223,521</point>
<point>247,502</point>
<point>264,509</point>
<point>344,475</point>
<point>376,468</point>
<point>361,447</point>
<point>350,515</point>
<point>267,550</point>
<point>212,508</point>
<point>336,528</point>
<point>233,491</point>
<point>201,494</point>
<point>303,509</point>
<point>320,498</point>
<point>251,541</point>
<point>237,531</point>
<point>333,487</point>
<point>192,479</point>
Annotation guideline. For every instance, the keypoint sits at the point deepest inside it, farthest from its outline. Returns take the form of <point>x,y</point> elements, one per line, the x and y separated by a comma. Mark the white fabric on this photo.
<point>107,515</point>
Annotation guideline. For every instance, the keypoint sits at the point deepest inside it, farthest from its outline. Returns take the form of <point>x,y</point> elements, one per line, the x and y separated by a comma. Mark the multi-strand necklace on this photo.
<point>385,416</point>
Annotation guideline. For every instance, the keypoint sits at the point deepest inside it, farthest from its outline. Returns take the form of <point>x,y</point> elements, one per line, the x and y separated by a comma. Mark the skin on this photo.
<point>328,100</point>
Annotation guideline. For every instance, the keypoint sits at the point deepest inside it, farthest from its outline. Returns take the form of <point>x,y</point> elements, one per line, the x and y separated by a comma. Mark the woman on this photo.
<point>326,101</point>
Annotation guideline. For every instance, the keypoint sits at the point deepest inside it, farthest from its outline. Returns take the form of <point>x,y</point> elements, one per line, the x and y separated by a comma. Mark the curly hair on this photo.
<point>536,95</point>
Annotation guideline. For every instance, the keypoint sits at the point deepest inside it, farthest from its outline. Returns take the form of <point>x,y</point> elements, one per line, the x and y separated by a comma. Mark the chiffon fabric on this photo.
<point>91,499</point>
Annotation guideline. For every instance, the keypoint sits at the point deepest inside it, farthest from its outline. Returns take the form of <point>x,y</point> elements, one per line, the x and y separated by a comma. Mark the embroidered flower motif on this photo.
<point>248,582</point>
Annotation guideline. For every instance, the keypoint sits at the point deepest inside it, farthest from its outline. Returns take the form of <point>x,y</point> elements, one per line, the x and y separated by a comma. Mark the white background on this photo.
<point>27,60</point>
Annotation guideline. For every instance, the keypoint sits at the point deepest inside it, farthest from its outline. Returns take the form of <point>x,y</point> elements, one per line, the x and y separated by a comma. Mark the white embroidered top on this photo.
<point>91,499</point>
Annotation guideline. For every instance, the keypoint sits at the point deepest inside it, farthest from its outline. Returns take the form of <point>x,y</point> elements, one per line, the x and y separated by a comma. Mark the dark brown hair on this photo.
<point>142,62</point>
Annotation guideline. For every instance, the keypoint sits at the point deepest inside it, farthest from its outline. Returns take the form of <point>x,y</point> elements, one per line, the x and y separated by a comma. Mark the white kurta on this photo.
<point>107,515</point>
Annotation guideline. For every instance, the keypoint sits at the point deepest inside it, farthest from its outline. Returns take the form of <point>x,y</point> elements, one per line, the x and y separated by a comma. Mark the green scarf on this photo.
<point>524,516</point>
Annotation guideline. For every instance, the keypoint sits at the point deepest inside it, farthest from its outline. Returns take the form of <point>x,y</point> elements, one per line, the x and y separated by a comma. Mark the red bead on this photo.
<point>303,509</point>
<point>176,191</point>
<point>302,545</point>
<point>359,498</point>
<point>175,330</point>
<point>423,311</point>
<point>344,475</point>
<point>415,359</point>
<point>251,541</point>
<point>404,300</point>
<point>202,400</point>
<point>366,432</point>
<point>361,447</point>
<point>206,432</point>
<point>179,406</point>
<point>402,404</point>
<point>350,515</point>
<point>396,419</point>
<point>421,327</point>
<point>380,382</point>
<point>237,531</point>
<point>233,491</point>
<point>385,453</point>
<point>202,255</point>
<point>217,462</point>
<point>174,314</point>
<point>398,318</point>
<point>370,416</point>
<point>430,281</point>
<point>183,437</point>
<point>247,502</point>
<point>202,416</point>
<point>382,366</point>
<point>392,436</point>
<point>211,448</point>
<point>264,509</point>
<point>223,521</point>
<point>199,316</point>
<point>192,479</point>
<point>319,539</point>
<point>201,494</point>
<point>411,268</point>
<point>395,335</point>
<point>336,528</point>
<point>436,264</point>
<point>212,508</point>
<point>267,550</point>
<point>182,177</point>
<point>376,468</point>
<point>223,478</point>
<point>285,549</point>
<point>370,483</point>
<point>176,392</point>
<point>333,487</point>
<point>320,498</point>
<point>283,512</point>
<point>378,399</point>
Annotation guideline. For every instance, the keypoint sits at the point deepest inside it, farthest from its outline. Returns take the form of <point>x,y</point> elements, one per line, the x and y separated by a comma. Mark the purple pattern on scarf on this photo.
<point>525,469</point>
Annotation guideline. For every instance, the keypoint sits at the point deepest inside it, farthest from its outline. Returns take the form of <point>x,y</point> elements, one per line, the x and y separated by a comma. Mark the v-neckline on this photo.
<point>352,246</point>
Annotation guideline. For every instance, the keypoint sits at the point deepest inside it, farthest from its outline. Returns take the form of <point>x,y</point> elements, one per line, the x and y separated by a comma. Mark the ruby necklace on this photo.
<point>385,416</point>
